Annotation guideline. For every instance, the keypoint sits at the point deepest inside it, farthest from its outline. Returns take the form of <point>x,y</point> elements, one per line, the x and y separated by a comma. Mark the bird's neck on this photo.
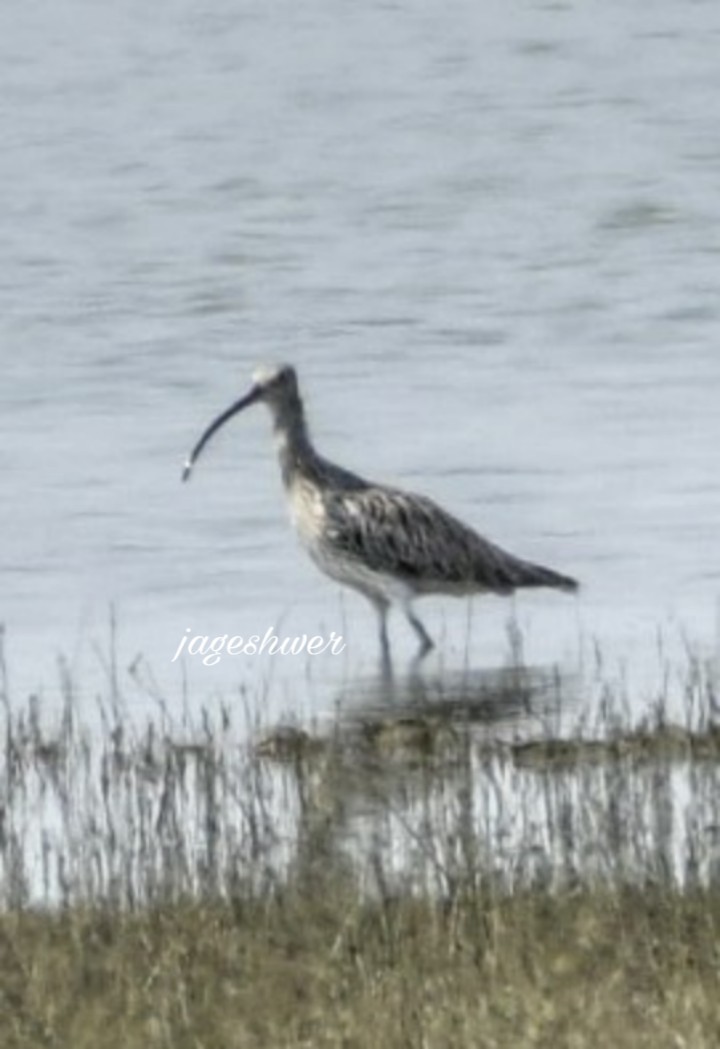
<point>294,448</point>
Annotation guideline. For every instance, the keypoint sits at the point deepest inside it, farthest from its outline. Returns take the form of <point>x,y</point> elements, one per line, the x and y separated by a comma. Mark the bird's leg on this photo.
<point>382,611</point>
<point>426,642</point>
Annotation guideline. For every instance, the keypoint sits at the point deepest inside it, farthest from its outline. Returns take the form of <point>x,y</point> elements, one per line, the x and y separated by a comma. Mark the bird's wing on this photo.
<point>410,536</point>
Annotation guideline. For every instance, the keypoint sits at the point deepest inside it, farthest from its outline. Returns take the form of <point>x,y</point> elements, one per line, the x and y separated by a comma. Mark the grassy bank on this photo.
<point>319,966</point>
<point>436,869</point>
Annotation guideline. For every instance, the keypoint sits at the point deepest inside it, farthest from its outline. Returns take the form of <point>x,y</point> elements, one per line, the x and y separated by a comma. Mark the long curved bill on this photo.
<point>244,402</point>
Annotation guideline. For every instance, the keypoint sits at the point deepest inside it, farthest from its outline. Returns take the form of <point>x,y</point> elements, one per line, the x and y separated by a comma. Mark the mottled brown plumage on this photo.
<point>413,538</point>
<point>389,544</point>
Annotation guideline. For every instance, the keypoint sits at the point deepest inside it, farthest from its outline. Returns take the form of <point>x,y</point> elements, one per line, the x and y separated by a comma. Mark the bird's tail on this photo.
<point>529,574</point>
<point>500,572</point>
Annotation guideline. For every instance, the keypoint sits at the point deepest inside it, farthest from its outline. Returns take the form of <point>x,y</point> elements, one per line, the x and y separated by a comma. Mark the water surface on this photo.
<point>487,238</point>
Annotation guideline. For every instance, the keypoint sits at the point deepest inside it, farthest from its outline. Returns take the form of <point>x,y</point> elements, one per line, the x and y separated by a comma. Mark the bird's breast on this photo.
<point>307,512</point>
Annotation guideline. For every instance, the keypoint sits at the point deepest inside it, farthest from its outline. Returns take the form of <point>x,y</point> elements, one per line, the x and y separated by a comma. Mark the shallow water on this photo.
<point>489,242</point>
<point>425,794</point>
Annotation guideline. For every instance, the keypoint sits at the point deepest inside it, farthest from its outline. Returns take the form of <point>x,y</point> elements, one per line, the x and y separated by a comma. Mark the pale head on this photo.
<point>276,385</point>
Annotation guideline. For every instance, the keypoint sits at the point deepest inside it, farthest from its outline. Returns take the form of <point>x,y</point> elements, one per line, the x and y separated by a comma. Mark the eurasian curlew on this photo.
<point>391,545</point>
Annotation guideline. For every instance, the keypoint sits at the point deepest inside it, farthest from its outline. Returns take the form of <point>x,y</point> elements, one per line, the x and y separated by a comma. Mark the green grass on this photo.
<point>326,968</point>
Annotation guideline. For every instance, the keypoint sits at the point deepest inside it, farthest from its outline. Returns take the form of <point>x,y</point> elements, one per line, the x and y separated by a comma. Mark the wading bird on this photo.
<point>391,545</point>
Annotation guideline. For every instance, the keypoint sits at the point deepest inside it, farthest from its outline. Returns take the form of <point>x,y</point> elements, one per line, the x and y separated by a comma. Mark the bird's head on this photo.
<point>276,385</point>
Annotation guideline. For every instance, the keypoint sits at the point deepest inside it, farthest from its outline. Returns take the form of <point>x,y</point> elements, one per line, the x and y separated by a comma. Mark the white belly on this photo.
<point>308,516</point>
